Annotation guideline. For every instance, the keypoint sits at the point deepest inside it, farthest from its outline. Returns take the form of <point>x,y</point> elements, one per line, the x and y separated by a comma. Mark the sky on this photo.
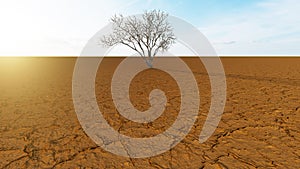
<point>234,28</point>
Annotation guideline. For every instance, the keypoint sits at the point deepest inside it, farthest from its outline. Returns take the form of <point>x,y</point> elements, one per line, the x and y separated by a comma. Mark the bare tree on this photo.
<point>146,35</point>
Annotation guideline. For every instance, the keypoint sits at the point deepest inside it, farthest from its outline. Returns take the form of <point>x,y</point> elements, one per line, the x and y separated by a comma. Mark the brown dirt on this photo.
<point>260,127</point>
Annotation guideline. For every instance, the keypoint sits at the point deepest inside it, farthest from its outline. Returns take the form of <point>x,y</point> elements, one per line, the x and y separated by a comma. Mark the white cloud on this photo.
<point>274,29</point>
<point>52,27</point>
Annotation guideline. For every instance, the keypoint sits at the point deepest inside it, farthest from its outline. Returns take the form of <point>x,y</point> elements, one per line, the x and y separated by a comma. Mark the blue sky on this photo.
<point>200,12</point>
<point>235,27</point>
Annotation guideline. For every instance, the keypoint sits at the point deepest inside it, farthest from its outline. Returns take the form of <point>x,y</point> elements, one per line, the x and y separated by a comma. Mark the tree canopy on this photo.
<point>146,35</point>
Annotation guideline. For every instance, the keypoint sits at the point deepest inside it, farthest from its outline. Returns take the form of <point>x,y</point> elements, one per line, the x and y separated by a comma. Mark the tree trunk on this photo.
<point>149,59</point>
<point>149,63</point>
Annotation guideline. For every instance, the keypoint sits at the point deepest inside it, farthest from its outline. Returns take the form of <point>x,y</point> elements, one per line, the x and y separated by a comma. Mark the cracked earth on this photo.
<point>260,127</point>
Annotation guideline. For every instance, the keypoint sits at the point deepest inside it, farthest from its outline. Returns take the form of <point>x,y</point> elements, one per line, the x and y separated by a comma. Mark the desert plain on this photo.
<point>260,126</point>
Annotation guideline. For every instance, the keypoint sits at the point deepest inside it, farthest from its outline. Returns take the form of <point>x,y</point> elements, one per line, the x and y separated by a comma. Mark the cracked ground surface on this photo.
<point>260,127</point>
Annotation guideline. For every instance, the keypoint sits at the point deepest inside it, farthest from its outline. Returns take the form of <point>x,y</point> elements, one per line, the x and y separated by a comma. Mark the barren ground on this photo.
<point>260,127</point>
